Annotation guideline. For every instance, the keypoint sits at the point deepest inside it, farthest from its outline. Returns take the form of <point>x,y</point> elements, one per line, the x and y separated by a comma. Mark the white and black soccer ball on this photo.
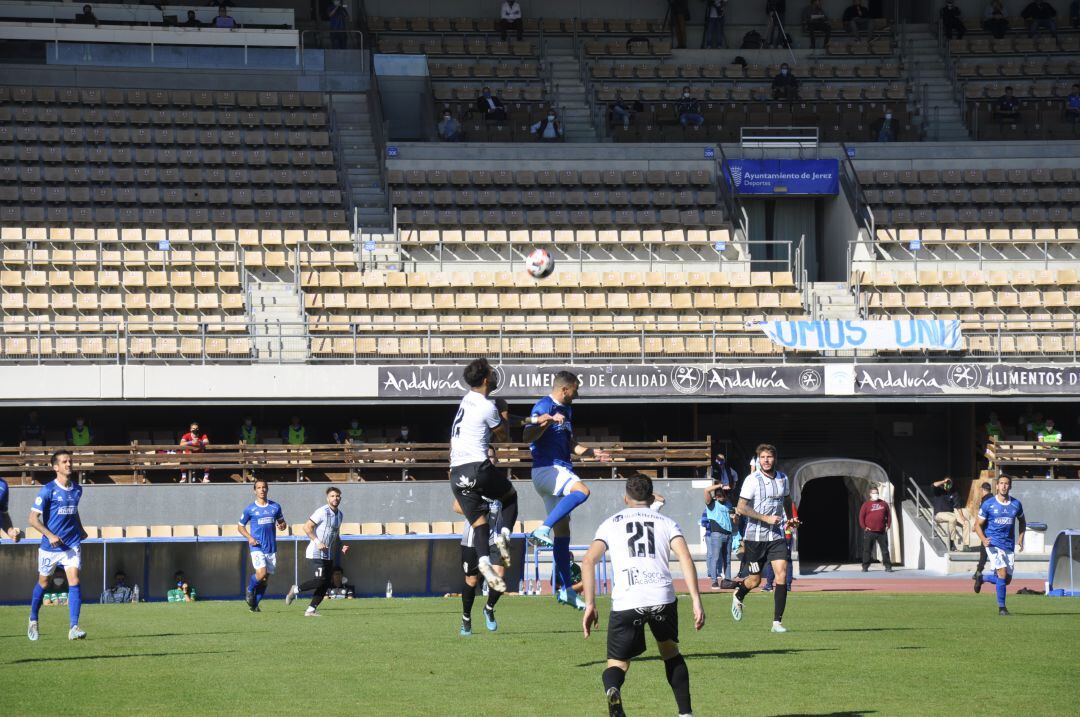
<point>539,263</point>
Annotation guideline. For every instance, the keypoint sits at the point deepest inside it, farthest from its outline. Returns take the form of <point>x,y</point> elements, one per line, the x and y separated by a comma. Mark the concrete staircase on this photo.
<point>925,66</point>
<point>360,161</point>
<point>277,320</point>
<point>568,92</point>
<point>832,300</point>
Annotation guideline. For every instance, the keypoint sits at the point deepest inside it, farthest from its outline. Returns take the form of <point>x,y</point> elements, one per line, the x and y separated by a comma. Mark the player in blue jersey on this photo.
<point>259,524</point>
<point>550,432</point>
<point>55,514</point>
<point>997,518</point>
<point>7,529</point>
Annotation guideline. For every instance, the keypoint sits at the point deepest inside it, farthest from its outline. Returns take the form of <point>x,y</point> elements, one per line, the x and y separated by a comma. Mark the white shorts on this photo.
<point>999,559</point>
<point>49,559</point>
<point>552,483</point>
<point>259,560</point>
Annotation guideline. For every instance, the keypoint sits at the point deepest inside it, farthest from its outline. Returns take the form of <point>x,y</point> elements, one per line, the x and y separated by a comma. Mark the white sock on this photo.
<point>310,609</point>
<point>484,560</point>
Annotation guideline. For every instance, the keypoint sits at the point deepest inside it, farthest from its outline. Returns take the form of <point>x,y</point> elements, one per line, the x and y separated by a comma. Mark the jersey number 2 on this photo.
<point>642,540</point>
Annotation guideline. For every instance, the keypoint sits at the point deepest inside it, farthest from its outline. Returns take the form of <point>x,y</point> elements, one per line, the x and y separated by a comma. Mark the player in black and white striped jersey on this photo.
<point>470,557</point>
<point>323,529</point>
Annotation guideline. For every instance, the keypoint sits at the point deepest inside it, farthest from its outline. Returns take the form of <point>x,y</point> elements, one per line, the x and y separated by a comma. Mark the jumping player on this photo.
<point>997,518</point>
<point>55,514</point>
<point>263,516</point>
<point>640,542</point>
<point>765,502</point>
<point>469,560</point>
<point>549,431</point>
<point>474,480</point>
<point>323,530</point>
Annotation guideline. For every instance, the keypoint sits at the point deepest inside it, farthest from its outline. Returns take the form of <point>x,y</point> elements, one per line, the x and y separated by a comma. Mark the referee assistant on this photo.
<point>323,529</point>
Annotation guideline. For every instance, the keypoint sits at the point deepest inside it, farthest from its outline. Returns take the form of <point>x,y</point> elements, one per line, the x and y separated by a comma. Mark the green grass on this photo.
<point>847,653</point>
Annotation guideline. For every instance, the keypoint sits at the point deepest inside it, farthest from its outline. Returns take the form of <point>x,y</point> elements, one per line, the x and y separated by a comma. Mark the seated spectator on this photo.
<point>353,434</point>
<point>510,18</point>
<point>338,15</point>
<point>1040,16</point>
<point>449,128</point>
<point>815,22</point>
<point>1049,434</point>
<point>784,86</point>
<point>885,128</point>
<point>996,19</point>
<point>58,590</point>
<point>87,17</point>
<point>295,434</point>
<point>194,442</point>
<point>491,106</point>
<point>119,592</point>
<point>548,129</point>
<point>622,112</point>
<point>192,20</point>
<point>857,19</point>
<point>947,512</point>
<point>183,592</point>
<point>224,19</point>
<point>1072,105</point>
<point>712,36</point>
<point>688,110</point>
<point>32,431</point>
<point>952,22</point>
<point>403,436</point>
<point>80,434</point>
<point>339,587</point>
<point>993,427</point>
<point>249,432</point>
<point>1007,108</point>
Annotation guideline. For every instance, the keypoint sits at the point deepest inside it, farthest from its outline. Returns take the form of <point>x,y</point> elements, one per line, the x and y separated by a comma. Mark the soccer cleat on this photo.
<point>777,627</point>
<point>249,598</point>
<point>1002,612</point>
<point>466,628</point>
<point>978,578</point>
<point>563,596</point>
<point>312,612</point>
<point>489,619</point>
<point>256,609</point>
<point>32,631</point>
<point>766,588</point>
<point>614,703</point>
<point>76,634</point>
<point>715,585</point>
<point>493,580</point>
<point>736,608</point>
<point>502,544</point>
<point>541,537</point>
<point>291,595</point>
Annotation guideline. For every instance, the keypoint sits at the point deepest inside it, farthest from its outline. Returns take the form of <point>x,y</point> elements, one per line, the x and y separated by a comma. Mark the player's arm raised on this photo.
<point>536,425</point>
<point>746,510</point>
<point>580,449</point>
<point>588,580</point>
<point>682,552</point>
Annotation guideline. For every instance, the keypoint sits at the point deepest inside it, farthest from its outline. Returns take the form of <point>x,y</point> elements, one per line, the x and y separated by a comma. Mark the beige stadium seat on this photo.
<point>351,529</point>
<point>371,529</point>
<point>161,531</point>
<point>138,531</point>
<point>92,531</point>
<point>419,527</point>
<point>110,532</point>
<point>442,527</point>
<point>230,530</point>
<point>183,531</point>
<point>31,534</point>
<point>396,529</point>
<point>208,531</point>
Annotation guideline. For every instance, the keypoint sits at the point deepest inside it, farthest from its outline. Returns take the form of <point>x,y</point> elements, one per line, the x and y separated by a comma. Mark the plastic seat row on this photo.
<point>592,346</point>
<point>161,98</point>
<point>1057,177</point>
<point>483,70</point>
<point>121,156</point>
<point>1015,44</point>
<point>467,198</point>
<point>453,218</point>
<point>808,92</point>
<point>92,347</point>
<point>665,71</point>
<point>549,25</point>
<point>180,240</point>
<point>566,178</point>
<point>475,47</point>
<point>173,216</point>
<point>79,115</point>
<point>562,280</point>
<point>144,136</point>
<point>132,321</point>
<point>986,215</point>
<point>1018,235</point>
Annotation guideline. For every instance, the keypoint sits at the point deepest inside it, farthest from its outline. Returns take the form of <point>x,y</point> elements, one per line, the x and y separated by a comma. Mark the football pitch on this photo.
<point>851,653</point>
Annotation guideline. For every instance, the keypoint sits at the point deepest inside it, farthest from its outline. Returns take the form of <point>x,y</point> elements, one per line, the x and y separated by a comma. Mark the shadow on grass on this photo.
<point>32,660</point>
<point>910,647</point>
<point>178,634</point>
<point>852,713</point>
<point>735,655</point>
<point>861,629</point>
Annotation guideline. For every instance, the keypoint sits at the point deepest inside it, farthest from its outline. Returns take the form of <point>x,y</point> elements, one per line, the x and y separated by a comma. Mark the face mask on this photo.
<point>873,496</point>
<point>551,118</point>
<point>247,422</point>
<point>888,115</point>
<point>783,71</point>
<point>79,424</point>
<point>685,95</point>
<point>58,581</point>
<point>355,424</point>
<point>405,433</point>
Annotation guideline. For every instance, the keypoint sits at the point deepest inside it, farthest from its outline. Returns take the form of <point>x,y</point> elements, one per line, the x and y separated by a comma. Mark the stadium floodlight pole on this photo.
<point>783,34</point>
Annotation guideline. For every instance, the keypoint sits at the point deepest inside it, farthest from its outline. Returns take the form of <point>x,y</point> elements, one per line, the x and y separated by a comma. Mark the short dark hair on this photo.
<point>55,457</point>
<point>987,487</point>
<point>1006,477</point>
<point>333,489</point>
<point>765,448</point>
<point>475,373</point>
<point>639,487</point>
<point>260,480</point>
<point>565,378</point>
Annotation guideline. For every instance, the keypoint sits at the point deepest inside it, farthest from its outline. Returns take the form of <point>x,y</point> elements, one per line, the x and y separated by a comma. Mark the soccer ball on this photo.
<point>539,264</point>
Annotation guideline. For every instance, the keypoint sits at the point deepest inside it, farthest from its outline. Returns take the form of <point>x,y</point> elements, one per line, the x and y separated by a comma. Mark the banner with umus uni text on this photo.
<point>783,176</point>
<point>837,335</point>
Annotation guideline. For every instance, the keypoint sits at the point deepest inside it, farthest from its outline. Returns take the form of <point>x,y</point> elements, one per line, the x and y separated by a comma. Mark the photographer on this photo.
<point>680,14</point>
<point>713,35</point>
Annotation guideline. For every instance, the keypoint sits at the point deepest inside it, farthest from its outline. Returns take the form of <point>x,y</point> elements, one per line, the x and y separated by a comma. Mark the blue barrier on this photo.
<point>603,582</point>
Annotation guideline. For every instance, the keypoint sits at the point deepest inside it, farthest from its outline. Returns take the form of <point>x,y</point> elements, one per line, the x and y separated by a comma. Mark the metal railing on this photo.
<point>969,253</point>
<point>924,509</point>
<point>849,179</point>
<point>354,41</point>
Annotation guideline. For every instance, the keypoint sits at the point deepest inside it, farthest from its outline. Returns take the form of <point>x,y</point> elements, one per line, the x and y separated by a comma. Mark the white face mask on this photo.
<point>888,115</point>
<point>685,95</point>
<point>783,71</point>
<point>551,118</point>
<point>873,496</point>
<point>405,432</point>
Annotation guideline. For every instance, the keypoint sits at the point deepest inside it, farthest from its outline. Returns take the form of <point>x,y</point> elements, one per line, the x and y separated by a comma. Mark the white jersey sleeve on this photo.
<point>639,548</point>
<point>749,489</point>
<point>470,434</point>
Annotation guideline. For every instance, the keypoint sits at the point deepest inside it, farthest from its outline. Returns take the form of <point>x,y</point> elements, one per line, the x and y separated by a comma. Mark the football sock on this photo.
<point>468,595</point>
<point>509,513</point>
<point>36,600</point>
<point>560,554</point>
<point>253,582</point>
<point>75,603</point>
<point>493,597</point>
<point>679,679</point>
<point>990,578</point>
<point>613,677</point>
<point>481,536</point>
<point>779,602</point>
<point>1001,587</point>
<point>740,592</point>
<point>564,506</point>
<point>260,590</point>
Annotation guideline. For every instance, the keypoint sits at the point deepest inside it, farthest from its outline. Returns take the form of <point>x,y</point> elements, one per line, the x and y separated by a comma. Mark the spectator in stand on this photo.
<point>224,19</point>
<point>403,435</point>
<point>993,428</point>
<point>857,20</point>
<point>775,11</point>
<point>1007,108</point>
<point>947,512</point>
<point>1072,105</point>
<point>784,86</point>
<point>712,36</point>
<point>295,434</point>
<point>80,434</point>
<point>885,128</point>
<point>986,492</point>
<point>952,21</point>
<point>996,19</point>
<point>249,432</point>
<point>622,112</point>
<point>32,431</point>
<point>719,522</point>
<point>1049,433</point>
<point>680,14</point>
<point>449,129</point>
<point>192,20</point>
<point>339,587</point>
<point>353,434</point>
<point>194,442</point>
<point>548,129</point>
<point>87,17</point>
<point>338,15</point>
<point>1040,16</point>
<point>510,19</point>
<point>874,520</point>
<point>688,109</point>
<point>815,22</point>
<point>120,591</point>
<point>1033,422</point>
<point>491,106</point>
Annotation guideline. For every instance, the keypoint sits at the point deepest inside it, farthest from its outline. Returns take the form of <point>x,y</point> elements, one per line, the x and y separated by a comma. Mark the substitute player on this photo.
<point>550,432</point>
<point>640,542</point>
<point>474,480</point>
<point>55,514</point>
<point>469,561</point>
<point>7,529</point>
<point>259,523</point>
<point>323,530</point>
<point>765,501</point>
<point>997,518</point>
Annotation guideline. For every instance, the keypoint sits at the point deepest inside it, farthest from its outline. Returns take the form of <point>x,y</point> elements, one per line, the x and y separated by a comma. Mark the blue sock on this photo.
<point>253,582</point>
<point>990,578</point>
<point>74,603</point>
<point>567,504</point>
<point>1001,593</point>
<point>36,600</point>
<point>560,553</point>
<point>260,591</point>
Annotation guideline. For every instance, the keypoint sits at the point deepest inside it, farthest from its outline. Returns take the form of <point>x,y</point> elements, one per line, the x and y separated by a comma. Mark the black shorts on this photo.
<point>759,552</point>
<point>470,561</point>
<point>323,569</point>
<point>474,484</point>
<point>626,629</point>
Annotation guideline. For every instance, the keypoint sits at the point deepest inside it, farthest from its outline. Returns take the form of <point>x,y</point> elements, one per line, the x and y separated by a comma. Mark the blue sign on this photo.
<point>710,153</point>
<point>851,152</point>
<point>391,151</point>
<point>369,245</point>
<point>164,245</point>
<point>838,335</point>
<point>784,176</point>
<point>720,246</point>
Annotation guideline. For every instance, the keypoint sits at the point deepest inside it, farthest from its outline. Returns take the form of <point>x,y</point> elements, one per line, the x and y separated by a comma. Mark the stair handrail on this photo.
<point>378,134</point>
<point>343,176</point>
<point>914,493</point>
<point>726,185</point>
<point>857,197</point>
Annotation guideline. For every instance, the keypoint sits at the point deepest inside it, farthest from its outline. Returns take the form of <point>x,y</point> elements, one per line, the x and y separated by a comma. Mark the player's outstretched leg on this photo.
<point>575,495</point>
<point>507,519</point>
<point>613,678</point>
